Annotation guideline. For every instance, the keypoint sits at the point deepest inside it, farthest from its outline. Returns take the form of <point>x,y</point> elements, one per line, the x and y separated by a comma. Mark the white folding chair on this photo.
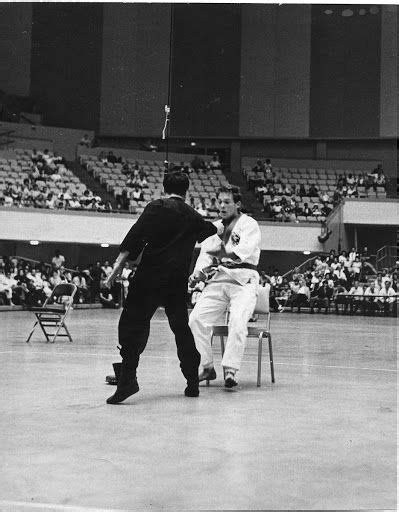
<point>259,331</point>
<point>54,312</point>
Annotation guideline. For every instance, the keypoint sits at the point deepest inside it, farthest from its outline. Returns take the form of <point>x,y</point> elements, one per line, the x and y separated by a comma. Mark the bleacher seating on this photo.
<point>324,179</point>
<point>16,166</point>
<point>203,184</point>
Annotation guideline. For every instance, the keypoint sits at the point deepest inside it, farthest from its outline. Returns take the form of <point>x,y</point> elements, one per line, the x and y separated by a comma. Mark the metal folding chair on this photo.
<point>54,312</point>
<point>254,331</point>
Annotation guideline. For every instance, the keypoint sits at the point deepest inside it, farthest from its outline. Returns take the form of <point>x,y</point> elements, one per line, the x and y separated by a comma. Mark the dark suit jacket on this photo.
<point>166,232</point>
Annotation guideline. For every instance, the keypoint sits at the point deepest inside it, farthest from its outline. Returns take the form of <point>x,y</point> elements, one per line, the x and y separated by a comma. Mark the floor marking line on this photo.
<point>147,356</point>
<point>54,506</point>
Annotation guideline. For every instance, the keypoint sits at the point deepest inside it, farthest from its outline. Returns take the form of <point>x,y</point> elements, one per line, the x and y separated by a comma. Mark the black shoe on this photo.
<point>192,390</point>
<point>207,374</point>
<point>230,380</point>
<point>127,385</point>
<point>124,392</point>
<point>111,379</point>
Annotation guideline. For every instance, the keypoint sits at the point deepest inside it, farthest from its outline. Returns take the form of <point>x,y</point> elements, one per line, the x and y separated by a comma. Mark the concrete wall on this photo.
<point>383,212</point>
<point>15,47</point>
<point>62,140</point>
<point>96,228</point>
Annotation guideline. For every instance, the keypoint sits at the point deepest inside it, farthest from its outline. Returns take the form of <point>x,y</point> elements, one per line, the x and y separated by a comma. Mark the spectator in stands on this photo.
<point>197,163</point>
<point>201,208</point>
<point>340,297</point>
<point>58,260</point>
<point>50,201</point>
<point>277,211</point>
<point>96,274</point>
<point>276,279</point>
<point>387,297</point>
<point>55,279</point>
<point>323,297</point>
<point>142,182</point>
<point>316,212</point>
<point>313,192</point>
<point>213,206</point>
<point>7,285</point>
<point>111,158</point>
<point>137,194</point>
<point>352,191</point>
<point>215,163</point>
<point>85,141</point>
<point>303,295</point>
<point>370,298</point>
<point>356,298</point>
<point>301,191</point>
<point>74,203</point>
<point>307,212</point>
<point>326,210</point>
<point>125,275</point>
<point>82,290</point>
<point>21,291</point>
<point>107,299</point>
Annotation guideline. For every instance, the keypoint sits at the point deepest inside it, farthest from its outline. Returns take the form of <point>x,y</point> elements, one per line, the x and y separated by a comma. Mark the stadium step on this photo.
<point>251,204</point>
<point>91,183</point>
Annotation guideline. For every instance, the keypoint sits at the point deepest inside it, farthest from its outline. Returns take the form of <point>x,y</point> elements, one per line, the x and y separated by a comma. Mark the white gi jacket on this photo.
<point>244,241</point>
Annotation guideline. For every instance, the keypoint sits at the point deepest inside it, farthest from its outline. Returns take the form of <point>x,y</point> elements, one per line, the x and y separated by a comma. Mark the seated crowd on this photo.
<point>347,280</point>
<point>284,201</point>
<point>26,283</point>
<point>45,182</point>
<point>138,183</point>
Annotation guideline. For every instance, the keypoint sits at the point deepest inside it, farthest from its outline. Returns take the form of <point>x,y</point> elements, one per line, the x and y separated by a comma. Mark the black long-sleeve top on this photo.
<point>167,230</point>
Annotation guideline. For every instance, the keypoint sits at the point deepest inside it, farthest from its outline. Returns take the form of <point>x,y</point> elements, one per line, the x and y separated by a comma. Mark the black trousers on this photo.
<point>134,325</point>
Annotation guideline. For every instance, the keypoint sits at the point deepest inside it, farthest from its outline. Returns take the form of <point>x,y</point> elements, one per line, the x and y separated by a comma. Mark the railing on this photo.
<point>386,257</point>
<point>302,265</point>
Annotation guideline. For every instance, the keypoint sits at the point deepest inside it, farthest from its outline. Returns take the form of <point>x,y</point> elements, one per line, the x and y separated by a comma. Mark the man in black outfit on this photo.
<point>166,232</point>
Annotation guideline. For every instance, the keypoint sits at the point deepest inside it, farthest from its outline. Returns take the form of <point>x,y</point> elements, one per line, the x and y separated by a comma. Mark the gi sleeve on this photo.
<point>138,235</point>
<point>205,229</point>
<point>249,240</point>
<point>210,245</point>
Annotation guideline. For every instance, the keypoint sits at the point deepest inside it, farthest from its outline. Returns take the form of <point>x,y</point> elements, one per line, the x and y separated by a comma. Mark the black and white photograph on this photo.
<point>198,256</point>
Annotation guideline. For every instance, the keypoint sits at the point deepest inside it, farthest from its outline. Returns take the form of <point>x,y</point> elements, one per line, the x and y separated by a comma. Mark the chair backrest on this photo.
<point>262,302</point>
<point>63,290</point>
<point>67,289</point>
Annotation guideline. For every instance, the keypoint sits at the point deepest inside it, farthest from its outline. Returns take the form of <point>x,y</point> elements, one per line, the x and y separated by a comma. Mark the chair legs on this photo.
<point>262,334</point>
<point>51,337</point>
<point>271,356</point>
<point>259,359</point>
<point>32,331</point>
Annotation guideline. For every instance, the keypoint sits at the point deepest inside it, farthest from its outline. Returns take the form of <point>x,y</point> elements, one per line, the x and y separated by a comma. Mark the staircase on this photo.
<point>251,204</point>
<point>91,183</point>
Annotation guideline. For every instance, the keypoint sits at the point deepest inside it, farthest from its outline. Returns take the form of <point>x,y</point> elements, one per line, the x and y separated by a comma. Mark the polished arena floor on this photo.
<point>323,437</point>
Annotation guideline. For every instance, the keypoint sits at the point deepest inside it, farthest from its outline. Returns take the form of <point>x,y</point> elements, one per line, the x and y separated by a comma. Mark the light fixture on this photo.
<point>374,10</point>
<point>362,12</point>
<point>328,11</point>
<point>193,144</point>
<point>347,13</point>
<point>34,242</point>
<point>104,245</point>
<point>306,253</point>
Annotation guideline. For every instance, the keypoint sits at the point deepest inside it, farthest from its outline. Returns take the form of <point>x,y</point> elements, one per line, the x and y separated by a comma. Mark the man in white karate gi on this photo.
<point>231,257</point>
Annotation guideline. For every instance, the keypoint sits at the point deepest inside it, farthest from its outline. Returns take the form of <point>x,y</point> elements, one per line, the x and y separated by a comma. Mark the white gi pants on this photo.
<point>219,296</point>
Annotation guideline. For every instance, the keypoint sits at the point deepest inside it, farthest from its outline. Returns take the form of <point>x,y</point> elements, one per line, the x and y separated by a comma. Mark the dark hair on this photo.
<point>176,182</point>
<point>232,190</point>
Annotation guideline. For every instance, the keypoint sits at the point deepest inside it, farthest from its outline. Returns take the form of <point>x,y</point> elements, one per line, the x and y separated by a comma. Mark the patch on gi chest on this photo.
<point>235,238</point>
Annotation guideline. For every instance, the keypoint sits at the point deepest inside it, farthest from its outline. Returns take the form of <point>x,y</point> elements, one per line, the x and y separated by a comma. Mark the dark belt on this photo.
<point>249,266</point>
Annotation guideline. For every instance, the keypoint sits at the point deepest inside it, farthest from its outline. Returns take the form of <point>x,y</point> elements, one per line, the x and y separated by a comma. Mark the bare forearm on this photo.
<point>120,260</point>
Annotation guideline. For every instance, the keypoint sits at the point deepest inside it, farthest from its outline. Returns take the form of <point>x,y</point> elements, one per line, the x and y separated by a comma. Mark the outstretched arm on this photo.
<point>120,260</point>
